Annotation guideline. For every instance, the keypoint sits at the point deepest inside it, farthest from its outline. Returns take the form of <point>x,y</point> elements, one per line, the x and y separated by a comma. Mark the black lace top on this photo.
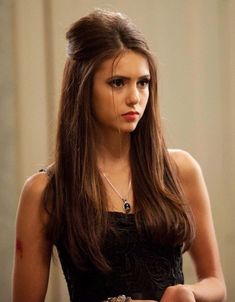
<point>141,268</point>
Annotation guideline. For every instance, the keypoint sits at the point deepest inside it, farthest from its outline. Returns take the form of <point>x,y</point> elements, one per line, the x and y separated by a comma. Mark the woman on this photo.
<point>120,208</point>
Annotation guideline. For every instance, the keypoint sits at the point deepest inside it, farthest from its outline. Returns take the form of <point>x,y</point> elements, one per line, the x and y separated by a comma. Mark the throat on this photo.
<point>113,150</point>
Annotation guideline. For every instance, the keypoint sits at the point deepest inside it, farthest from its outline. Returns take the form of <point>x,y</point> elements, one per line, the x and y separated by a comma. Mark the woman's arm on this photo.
<point>204,250</point>
<point>32,250</point>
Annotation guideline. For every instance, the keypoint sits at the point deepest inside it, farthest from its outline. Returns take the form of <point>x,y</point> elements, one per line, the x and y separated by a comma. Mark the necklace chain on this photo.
<point>126,203</point>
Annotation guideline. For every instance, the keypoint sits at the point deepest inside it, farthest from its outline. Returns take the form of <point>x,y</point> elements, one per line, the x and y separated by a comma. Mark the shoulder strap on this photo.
<point>46,170</point>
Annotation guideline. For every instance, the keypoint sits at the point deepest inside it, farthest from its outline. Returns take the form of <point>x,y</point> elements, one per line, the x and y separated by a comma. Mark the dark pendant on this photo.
<point>127,206</point>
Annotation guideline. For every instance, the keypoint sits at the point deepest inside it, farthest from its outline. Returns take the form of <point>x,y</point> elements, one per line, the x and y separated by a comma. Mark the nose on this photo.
<point>133,96</point>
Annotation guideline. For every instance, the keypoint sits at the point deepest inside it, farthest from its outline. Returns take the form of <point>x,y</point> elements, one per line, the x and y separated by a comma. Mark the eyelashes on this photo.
<point>120,82</point>
<point>116,83</point>
<point>144,82</point>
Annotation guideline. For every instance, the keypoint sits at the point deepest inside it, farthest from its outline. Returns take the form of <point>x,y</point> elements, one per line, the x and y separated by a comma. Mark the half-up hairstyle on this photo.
<point>75,196</point>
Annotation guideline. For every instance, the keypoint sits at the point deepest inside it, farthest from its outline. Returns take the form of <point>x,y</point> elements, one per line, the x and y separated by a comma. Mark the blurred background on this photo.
<point>194,45</point>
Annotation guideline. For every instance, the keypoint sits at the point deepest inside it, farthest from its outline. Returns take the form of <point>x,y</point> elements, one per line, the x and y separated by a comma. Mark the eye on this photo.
<point>143,83</point>
<point>117,83</point>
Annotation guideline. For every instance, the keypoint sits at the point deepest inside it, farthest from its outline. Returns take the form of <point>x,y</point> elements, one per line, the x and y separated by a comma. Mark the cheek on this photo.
<point>144,102</point>
<point>102,96</point>
<point>102,105</point>
<point>145,97</point>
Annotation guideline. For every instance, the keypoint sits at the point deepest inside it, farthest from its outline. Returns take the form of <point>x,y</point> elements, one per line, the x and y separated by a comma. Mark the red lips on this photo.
<point>131,116</point>
<point>131,113</point>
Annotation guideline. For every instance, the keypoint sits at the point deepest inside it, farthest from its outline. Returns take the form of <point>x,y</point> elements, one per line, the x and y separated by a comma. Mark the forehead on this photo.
<point>128,63</point>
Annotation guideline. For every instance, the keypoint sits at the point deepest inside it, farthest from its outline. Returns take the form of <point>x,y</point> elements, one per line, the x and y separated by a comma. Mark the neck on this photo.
<point>113,150</point>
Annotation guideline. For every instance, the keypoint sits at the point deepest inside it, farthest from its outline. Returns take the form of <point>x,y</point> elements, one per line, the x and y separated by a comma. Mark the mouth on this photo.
<point>131,113</point>
<point>130,116</point>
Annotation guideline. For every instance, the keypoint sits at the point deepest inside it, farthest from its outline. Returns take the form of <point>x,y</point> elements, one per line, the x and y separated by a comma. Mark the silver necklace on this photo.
<point>126,203</point>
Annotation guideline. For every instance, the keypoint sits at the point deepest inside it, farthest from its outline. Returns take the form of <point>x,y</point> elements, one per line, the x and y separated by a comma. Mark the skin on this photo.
<point>118,88</point>
<point>33,251</point>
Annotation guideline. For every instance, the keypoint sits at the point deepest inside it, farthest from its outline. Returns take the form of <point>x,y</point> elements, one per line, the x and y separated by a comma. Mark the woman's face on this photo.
<point>120,92</point>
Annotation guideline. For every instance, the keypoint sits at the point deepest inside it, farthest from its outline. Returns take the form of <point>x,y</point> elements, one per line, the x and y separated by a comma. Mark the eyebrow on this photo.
<point>146,76</point>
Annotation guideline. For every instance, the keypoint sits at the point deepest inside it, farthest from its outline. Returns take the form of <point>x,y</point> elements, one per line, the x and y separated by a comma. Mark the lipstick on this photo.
<point>131,115</point>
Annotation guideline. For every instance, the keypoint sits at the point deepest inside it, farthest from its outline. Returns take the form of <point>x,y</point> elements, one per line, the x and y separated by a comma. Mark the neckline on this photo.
<point>120,213</point>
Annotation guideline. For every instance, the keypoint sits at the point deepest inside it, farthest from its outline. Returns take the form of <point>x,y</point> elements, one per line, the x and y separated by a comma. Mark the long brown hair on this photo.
<point>75,196</point>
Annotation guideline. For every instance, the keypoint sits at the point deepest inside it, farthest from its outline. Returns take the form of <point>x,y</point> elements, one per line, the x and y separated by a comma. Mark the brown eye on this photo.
<point>144,83</point>
<point>116,83</point>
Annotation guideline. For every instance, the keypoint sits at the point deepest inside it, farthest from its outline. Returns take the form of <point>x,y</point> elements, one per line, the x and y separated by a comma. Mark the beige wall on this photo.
<point>194,42</point>
<point>8,160</point>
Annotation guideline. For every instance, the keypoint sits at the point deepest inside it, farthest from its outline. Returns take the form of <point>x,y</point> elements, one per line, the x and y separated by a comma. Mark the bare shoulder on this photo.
<point>183,159</point>
<point>32,247</point>
<point>35,185</point>
<point>31,198</point>
<point>187,166</point>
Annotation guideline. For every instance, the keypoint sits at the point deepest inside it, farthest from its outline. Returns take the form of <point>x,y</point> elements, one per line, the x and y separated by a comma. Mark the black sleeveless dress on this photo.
<point>141,268</point>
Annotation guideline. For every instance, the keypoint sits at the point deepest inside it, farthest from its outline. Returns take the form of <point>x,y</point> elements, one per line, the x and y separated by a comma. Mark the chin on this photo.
<point>129,129</point>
